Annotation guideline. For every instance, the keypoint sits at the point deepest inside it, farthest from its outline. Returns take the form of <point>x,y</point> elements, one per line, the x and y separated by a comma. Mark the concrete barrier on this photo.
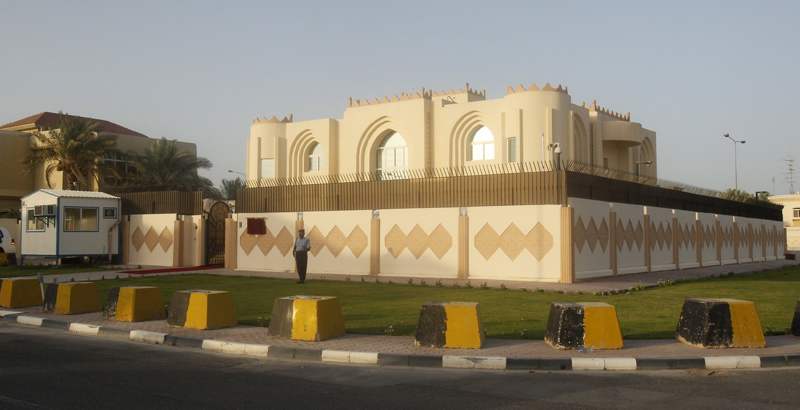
<point>71,298</point>
<point>312,318</point>
<point>20,292</point>
<point>795,331</point>
<point>450,324</point>
<point>584,324</point>
<point>720,323</point>
<point>134,304</point>
<point>202,309</point>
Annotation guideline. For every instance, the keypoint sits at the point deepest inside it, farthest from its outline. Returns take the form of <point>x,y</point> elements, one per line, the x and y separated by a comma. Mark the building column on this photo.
<point>647,239</point>
<point>125,228</point>
<point>567,252</point>
<point>612,217</point>
<point>736,239</point>
<point>231,244</point>
<point>375,244</point>
<point>676,234</point>
<point>698,231</point>
<point>177,243</point>
<point>719,242</point>
<point>201,241</point>
<point>463,246</point>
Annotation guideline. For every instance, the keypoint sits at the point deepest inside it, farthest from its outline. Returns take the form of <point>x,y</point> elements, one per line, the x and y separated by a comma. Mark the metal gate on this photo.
<point>215,234</point>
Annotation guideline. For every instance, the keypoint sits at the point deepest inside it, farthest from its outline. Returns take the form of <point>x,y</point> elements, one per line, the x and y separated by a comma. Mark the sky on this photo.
<point>201,71</point>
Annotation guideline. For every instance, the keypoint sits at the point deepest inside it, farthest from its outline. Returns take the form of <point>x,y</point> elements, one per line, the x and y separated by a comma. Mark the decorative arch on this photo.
<point>580,140</point>
<point>371,138</point>
<point>463,130</point>
<point>298,152</point>
<point>647,152</point>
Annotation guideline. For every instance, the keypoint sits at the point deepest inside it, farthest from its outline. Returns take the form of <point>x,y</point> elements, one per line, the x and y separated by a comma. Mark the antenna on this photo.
<point>790,174</point>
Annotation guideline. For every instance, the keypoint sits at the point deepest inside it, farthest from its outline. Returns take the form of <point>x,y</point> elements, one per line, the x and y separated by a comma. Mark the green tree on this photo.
<point>737,194</point>
<point>229,187</point>
<point>75,148</point>
<point>163,166</point>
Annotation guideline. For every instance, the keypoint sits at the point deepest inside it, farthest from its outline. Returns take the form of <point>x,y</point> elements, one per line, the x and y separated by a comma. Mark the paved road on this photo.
<point>42,369</point>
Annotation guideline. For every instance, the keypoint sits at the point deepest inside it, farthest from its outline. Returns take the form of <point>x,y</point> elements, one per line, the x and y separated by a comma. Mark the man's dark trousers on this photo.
<point>302,264</point>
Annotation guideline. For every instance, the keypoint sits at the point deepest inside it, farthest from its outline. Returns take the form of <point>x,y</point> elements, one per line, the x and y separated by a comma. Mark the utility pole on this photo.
<point>790,174</point>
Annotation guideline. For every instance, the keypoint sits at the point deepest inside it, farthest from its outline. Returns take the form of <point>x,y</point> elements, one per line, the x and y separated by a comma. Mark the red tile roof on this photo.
<point>50,119</point>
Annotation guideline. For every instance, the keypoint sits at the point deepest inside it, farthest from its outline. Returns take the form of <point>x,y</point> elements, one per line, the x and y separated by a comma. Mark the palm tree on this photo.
<point>737,194</point>
<point>75,148</point>
<point>229,187</point>
<point>163,166</point>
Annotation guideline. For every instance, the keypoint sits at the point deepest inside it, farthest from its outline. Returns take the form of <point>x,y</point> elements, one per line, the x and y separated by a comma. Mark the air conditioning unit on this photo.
<point>44,210</point>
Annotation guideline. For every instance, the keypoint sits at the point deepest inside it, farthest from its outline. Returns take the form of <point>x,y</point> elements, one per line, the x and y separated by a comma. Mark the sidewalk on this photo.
<point>400,350</point>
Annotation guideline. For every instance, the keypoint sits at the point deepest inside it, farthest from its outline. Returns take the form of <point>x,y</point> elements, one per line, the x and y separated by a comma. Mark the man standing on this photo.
<point>301,247</point>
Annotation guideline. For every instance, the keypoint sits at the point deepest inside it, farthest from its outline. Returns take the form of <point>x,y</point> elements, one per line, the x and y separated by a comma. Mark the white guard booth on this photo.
<point>60,224</point>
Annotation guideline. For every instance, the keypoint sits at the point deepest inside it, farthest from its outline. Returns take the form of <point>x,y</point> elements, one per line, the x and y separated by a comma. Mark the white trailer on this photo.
<point>60,224</point>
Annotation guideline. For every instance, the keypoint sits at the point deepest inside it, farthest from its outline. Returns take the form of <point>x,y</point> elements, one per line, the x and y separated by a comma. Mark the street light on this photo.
<point>235,172</point>
<point>641,163</point>
<point>735,164</point>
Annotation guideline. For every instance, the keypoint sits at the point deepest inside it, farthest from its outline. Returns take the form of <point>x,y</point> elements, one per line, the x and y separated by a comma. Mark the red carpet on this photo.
<point>147,271</point>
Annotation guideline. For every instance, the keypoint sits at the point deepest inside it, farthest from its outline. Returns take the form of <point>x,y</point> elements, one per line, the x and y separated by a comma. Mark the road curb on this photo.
<point>392,359</point>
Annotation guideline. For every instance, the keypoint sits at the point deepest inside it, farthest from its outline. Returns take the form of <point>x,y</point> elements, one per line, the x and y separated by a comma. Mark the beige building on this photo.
<point>426,130</point>
<point>791,218</point>
<point>17,143</point>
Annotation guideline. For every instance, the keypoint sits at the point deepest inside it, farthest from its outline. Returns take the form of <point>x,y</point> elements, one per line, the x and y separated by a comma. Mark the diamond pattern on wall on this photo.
<point>487,241</point>
<point>357,241</point>
<point>247,242</point>
<point>395,241</point>
<point>628,236</point>
<point>335,241</point>
<point>317,240</point>
<point>284,242</point>
<point>137,239</point>
<point>662,235</point>
<point>151,239</point>
<point>440,241</point>
<point>417,241</point>
<point>539,241</point>
<point>590,234</point>
<point>165,239</point>
<point>513,241</point>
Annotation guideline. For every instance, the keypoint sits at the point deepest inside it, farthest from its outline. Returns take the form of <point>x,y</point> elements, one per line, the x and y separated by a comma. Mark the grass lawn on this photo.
<point>32,270</point>
<point>371,308</point>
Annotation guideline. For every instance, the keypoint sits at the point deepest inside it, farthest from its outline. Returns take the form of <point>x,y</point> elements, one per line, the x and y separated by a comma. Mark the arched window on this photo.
<point>316,158</point>
<point>482,145</point>
<point>392,157</point>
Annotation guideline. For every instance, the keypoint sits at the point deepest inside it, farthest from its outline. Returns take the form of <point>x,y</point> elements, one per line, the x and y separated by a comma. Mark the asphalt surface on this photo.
<point>41,369</point>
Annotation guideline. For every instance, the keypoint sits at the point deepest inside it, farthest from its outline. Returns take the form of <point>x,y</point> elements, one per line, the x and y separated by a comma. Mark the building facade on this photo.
<point>429,130</point>
<point>17,143</point>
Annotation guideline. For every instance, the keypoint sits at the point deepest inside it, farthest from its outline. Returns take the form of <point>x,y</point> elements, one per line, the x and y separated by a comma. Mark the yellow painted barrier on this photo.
<point>134,304</point>
<point>720,323</point>
<point>20,292</point>
<point>455,325</point>
<point>202,309</point>
<point>71,298</point>
<point>311,318</point>
<point>583,325</point>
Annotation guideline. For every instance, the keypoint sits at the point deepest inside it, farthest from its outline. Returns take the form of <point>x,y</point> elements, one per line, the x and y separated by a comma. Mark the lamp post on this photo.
<point>235,172</point>
<point>638,163</point>
<point>735,164</point>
